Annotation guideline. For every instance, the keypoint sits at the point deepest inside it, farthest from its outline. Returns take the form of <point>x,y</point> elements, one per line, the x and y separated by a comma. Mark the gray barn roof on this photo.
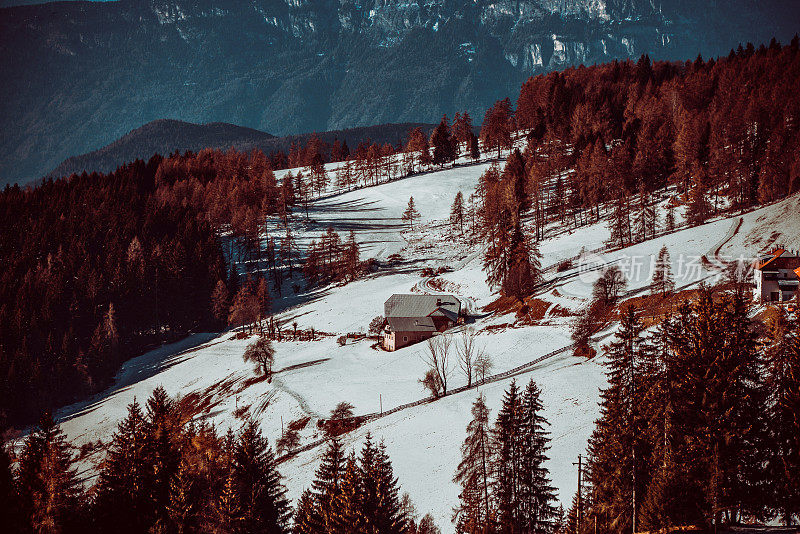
<point>411,324</point>
<point>420,305</point>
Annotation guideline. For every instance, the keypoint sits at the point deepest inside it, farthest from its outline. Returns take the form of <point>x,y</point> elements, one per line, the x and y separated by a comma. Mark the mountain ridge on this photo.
<point>165,136</point>
<point>82,74</point>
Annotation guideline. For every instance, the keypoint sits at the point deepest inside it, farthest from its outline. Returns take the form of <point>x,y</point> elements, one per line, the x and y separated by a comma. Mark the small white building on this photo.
<point>777,275</point>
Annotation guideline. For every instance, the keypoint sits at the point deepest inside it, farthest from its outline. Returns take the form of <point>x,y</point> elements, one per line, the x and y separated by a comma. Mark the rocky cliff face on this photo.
<point>80,74</point>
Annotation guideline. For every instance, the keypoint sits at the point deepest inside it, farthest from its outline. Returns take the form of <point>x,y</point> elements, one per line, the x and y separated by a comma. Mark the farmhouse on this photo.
<point>777,276</point>
<point>414,318</point>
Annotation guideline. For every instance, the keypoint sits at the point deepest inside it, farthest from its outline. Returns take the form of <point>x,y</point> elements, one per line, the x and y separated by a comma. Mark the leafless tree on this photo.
<point>439,359</point>
<point>608,287</point>
<point>483,365</point>
<point>468,352</point>
<point>262,354</point>
<point>288,442</point>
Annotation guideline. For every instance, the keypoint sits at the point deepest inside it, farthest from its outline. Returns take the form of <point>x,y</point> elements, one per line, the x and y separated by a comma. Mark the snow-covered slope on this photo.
<point>423,441</point>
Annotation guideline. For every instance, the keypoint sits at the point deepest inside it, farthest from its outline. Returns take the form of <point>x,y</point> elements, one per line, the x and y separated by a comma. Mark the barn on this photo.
<point>413,318</point>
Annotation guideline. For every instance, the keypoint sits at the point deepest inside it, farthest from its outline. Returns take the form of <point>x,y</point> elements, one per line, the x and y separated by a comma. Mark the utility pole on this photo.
<point>579,511</point>
<point>380,399</point>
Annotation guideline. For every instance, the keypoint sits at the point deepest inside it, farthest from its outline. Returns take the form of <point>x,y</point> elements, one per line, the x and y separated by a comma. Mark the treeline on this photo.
<point>95,269</point>
<point>606,138</point>
<point>698,423</point>
<point>163,472</point>
<point>505,486</point>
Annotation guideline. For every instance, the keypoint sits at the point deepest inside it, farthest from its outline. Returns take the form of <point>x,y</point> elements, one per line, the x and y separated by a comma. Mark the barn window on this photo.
<point>405,338</point>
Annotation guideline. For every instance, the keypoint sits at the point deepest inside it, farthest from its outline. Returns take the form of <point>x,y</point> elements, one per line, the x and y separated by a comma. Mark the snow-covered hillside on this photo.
<point>423,441</point>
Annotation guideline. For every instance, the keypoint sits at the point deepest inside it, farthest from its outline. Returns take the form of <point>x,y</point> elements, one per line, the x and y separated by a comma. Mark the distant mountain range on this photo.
<point>77,75</point>
<point>166,136</point>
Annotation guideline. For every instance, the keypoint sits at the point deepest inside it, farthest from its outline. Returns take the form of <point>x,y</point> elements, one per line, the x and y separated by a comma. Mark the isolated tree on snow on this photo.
<point>608,287</point>
<point>457,212</point>
<point>662,274</point>
<point>439,359</point>
<point>262,353</point>
<point>468,354</point>
<point>411,213</point>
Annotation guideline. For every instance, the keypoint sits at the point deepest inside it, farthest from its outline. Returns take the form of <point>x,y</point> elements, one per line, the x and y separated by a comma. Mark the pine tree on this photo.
<point>122,496</point>
<point>306,517</point>
<point>457,213</point>
<point>669,222</point>
<point>662,274</point>
<point>783,383</point>
<point>347,507</point>
<point>721,410</point>
<point>473,514</point>
<point>352,257</point>
<point>507,460</point>
<point>646,218</point>
<point>616,467</point>
<point>261,494</point>
<point>536,495</point>
<point>381,487</point>
<point>162,453</point>
<point>48,485</point>
<point>411,213</point>
<point>220,301</point>
<point>227,511</point>
<point>327,485</point>
<point>443,150</point>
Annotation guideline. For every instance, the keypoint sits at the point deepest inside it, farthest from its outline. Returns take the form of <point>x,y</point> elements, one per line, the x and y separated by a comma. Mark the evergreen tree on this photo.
<point>388,517</point>
<point>662,274</point>
<point>473,514</point>
<point>443,150</point>
<point>507,460</point>
<point>262,496</point>
<point>783,383</point>
<point>162,453</point>
<point>536,495</point>
<point>122,498</point>
<point>327,486</point>
<point>48,485</point>
<point>616,465</point>
<point>347,507</point>
<point>457,213</point>
<point>411,213</point>
<point>306,519</point>
<point>718,423</point>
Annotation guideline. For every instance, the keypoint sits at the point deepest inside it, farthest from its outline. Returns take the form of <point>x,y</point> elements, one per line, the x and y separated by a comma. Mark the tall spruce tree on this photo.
<point>262,496</point>
<point>327,485</point>
<point>616,465</point>
<point>783,385</point>
<point>122,500</point>
<point>663,282</point>
<point>48,485</point>
<point>507,460</point>
<point>536,494</point>
<point>474,513</point>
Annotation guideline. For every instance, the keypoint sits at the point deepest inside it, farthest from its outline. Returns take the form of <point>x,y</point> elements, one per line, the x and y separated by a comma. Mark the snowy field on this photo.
<point>423,441</point>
